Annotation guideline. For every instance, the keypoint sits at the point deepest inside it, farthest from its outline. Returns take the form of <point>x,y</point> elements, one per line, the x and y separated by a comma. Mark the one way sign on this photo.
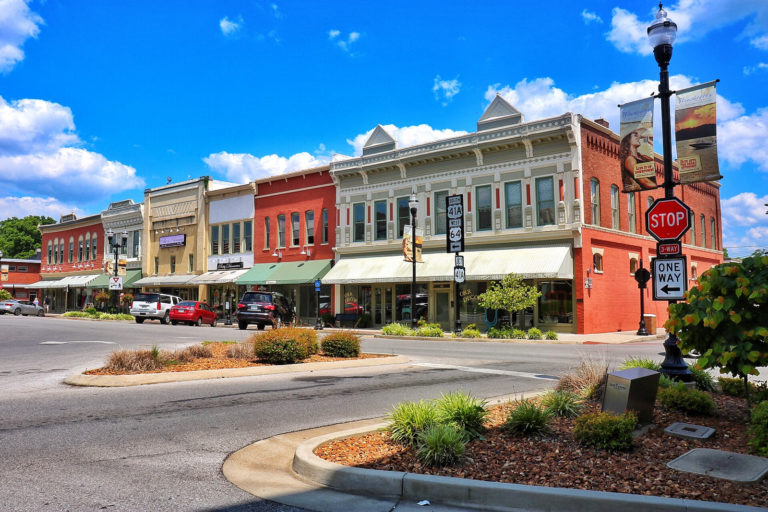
<point>670,278</point>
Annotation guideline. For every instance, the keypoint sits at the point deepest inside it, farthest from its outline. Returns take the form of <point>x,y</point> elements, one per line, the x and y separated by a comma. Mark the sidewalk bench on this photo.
<point>346,317</point>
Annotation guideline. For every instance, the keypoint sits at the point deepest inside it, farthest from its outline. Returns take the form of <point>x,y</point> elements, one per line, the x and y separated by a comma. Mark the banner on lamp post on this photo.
<point>638,170</point>
<point>408,245</point>
<point>696,133</point>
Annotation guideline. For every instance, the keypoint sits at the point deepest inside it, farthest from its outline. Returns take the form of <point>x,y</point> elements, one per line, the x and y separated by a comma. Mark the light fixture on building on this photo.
<point>305,251</point>
<point>277,254</point>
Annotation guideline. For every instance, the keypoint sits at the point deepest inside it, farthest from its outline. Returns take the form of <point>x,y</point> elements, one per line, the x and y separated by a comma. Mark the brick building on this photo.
<point>19,276</point>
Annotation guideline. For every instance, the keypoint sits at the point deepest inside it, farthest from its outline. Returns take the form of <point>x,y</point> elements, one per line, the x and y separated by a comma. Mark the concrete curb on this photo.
<point>252,371</point>
<point>476,494</point>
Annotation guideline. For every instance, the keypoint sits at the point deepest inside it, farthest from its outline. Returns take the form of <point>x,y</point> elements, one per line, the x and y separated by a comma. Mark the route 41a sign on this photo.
<point>670,278</point>
<point>454,209</point>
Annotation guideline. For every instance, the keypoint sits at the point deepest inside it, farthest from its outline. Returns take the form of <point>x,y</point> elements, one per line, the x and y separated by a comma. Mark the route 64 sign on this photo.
<point>454,209</point>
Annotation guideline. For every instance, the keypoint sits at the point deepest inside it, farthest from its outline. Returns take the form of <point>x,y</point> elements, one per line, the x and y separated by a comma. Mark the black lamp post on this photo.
<point>413,204</point>
<point>116,246</point>
<point>662,34</point>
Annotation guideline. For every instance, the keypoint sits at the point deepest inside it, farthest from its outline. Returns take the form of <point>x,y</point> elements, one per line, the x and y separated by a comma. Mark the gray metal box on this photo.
<point>632,389</point>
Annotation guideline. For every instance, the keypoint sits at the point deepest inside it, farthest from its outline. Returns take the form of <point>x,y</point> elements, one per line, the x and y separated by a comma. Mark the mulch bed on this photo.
<point>556,460</point>
<point>220,361</point>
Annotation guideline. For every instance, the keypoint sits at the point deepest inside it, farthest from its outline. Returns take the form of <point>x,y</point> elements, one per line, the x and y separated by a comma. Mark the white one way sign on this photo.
<point>670,278</point>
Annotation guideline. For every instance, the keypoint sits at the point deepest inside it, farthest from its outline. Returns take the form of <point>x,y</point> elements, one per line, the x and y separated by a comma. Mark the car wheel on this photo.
<point>174,322</point>
<point>139,320</point>
<point>165,318</point>
<point>261,327</point>
<point>199,321</point>
<point>41,313</point>
<point>215,321</point>
<point>242,325</point>
<point>17,311</point>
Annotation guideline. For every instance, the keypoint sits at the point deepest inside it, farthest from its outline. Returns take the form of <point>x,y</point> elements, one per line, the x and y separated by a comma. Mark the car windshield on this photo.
<point>187,303</point>
<point>256,297</point>
<point>146,297</point>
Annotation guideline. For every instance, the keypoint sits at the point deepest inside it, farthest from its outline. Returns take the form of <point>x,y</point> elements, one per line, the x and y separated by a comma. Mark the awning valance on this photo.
<point>538,262</point>
<point>287,272</point>
<point>71,281</point>
<point>257,274</point>
<point>219,276</point>
<point>172,280</point>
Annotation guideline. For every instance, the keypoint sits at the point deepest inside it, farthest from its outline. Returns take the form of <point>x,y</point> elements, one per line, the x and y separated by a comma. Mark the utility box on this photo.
<point>650,323</point>
<point>632,389</point>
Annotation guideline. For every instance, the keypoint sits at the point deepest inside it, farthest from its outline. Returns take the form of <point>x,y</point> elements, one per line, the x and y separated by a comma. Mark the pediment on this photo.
<point>499,113</point>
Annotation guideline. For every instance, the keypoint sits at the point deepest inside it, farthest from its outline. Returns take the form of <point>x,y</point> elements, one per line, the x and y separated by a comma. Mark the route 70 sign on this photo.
<point>670,278</point>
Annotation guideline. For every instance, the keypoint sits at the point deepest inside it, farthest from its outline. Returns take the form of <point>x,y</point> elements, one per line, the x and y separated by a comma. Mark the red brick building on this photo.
<point>19,277</point>
<point>293,240</point>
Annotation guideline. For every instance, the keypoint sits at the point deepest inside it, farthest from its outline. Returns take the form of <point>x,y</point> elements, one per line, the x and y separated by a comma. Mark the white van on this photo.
<point>153,305</point>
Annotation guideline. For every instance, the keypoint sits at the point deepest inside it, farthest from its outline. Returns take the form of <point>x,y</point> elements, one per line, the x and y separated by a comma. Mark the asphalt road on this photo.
<point>161,447</point>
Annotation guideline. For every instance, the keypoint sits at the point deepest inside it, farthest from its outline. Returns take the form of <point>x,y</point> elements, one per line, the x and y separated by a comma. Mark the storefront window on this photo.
<point>236,237</point>
<point>307,307</point>
<point>281,230</point>
<point>403,215</point>
<point>513,203</point>
<point>545,201</point>
<point>325,225</point>
<point>357,299</point>
<point>309,225</point>
<point>440,219</point>
<point>295,241</point>
<point>470,311</point>
<point>80,249</point>
<point>358,219</point>
<point>225,239</point>
<point>483,207</point>
<point>248,235</point>
<point>214,240</point>
<point>71,250</point>
<point>556,302</point>
<point>94,244</point>
<point>266,232</point>
<point>403,302</point>
<point>380,208</point>
<point>136,248</point>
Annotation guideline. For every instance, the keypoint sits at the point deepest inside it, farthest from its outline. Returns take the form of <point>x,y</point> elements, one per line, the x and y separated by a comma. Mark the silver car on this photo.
<point>21,307</point>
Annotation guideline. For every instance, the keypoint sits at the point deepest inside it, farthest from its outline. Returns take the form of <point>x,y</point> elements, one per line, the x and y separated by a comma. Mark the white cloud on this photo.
<point>43,206</point>
<point>760,66</point>
<point>745,209</point>
<point>743,139</point>
<point>590,17</point>
<point>242,167</point>
<point>445,90</point>
<point>694,19</point>
<point>230,27</point>
<point>406,136</point>
<point>28,126</point>
<point>17,24</point>
<point>344,44</point>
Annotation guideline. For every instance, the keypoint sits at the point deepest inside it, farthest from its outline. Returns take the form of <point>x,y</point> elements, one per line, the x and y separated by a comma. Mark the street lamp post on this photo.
<point>413,204</point>
<point>116,246</point>
<point>662,34</point>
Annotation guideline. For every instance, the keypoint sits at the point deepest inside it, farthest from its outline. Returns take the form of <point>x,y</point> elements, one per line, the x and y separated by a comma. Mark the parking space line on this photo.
<point>488,370</point>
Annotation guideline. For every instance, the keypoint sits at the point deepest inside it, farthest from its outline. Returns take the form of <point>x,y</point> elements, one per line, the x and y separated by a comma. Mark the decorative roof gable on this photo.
<point>498,114</point>
<point>378,142</point>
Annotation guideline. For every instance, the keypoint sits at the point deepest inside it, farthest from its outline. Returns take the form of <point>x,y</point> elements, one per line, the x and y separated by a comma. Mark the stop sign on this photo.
<point>668,219</point>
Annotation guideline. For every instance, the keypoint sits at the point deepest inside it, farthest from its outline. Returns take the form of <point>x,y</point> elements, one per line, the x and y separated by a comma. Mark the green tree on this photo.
<point>5,295</point>
<point>725,253</point>
<point>20,238</point>
<point>511,294</point>
<point>725,318</point>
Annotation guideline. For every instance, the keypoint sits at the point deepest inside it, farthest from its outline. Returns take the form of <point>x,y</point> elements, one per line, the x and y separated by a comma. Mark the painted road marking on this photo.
<point>488,370</point>
<point>66,342</point>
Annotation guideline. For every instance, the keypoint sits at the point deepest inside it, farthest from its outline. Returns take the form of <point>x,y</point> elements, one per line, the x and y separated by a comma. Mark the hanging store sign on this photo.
<point>696,134</point>
<point>229,265</point>
<point>173,241</point>
<point>638,170</point>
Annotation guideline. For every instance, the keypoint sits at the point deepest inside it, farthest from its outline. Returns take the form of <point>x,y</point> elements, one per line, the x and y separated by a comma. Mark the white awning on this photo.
<point>219,276</point>
<point>539,262</point>
<point>45,285</point>
<point>172,280</point>
<point>71,281</point>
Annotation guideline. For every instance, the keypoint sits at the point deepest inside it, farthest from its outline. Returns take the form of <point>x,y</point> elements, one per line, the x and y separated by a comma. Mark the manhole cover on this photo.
<point>721,464</point>
<point>689,431</point>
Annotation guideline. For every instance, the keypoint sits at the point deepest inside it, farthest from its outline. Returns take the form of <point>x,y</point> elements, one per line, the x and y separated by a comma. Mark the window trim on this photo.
<point>309,227</point>
<point>295,229</point>
<point>438,227</point>
<point>508,204</point>
<point>594,200</point>
<point>479,206</point>
<point>356,221</point>
<point>615,217</point>
<point>539,201</point>
<point>281,231</point>
<point>325,227</point>
<point>401,227</point>
<point>377,221</point>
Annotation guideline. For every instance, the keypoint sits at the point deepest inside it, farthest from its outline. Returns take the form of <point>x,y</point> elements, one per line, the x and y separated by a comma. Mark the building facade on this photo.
<point>19,276</point>
<point>529,192</point>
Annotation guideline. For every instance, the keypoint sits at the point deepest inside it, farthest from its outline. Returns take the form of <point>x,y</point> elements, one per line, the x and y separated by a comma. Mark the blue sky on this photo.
<point>99,100</point>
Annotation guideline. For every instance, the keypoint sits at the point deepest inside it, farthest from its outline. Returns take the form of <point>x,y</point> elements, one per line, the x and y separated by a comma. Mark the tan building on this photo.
<point>175,237</point>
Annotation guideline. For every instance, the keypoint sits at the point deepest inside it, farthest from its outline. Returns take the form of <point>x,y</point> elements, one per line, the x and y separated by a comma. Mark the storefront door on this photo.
<point>443,309</point>
<point>382,305</point>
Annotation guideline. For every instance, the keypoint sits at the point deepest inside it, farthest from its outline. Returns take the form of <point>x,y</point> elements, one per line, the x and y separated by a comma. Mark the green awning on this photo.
<point>103,280</point>
<point>299,272</point>
<point>257,274</point>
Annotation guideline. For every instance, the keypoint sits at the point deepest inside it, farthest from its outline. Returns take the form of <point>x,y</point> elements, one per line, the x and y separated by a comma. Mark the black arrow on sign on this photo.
<point>667,289</point>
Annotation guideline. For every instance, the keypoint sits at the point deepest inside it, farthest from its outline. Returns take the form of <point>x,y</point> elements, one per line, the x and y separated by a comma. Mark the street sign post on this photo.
<point>668,219</point>
<point>670,278</point>
<point>669,249</point>
<point>115,283</point>
<point>454,209</point>
<point>459,274</point>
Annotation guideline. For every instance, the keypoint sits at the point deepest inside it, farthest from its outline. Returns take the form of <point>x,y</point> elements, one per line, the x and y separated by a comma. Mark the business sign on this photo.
<point>115,283</point>
<point>668,219</point>
<point>696,134</point>
<point>173,240</point>
<point>454,229</point>
<point>670,278</point>
<point>229,265</point>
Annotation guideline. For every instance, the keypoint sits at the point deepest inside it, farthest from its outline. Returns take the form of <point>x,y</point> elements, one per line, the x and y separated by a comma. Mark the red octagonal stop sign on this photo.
<point>668,219</point>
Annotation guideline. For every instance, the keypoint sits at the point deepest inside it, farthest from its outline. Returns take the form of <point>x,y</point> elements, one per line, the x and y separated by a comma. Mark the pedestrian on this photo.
<point>47,303</point>
<point>36,302</point>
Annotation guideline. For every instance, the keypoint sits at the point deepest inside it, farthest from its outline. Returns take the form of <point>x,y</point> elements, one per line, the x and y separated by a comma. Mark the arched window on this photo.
<point>80,248</point>
<point>55,251</point>
<point>712,234</point>
<point>693,229</point>
<point>50,253</point>
<point>595,199</point>
<point>614,207</point>
<point>703,231</point>
<point>61,251</point>
<point>71,249</point>
<point>597,261</point>
<point>633,266</point>
<point>94,245</point>
<point>694,273</point>
<point>631,212</point>
<point>87,246</point>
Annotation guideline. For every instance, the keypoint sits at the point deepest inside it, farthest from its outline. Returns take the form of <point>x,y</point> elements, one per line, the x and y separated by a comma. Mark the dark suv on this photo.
<point>263,308</point>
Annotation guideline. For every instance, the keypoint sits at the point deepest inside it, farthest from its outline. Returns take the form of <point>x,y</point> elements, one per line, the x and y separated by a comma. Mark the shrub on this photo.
<point>703,380</point>
<point>606,431</point>
<point>640,362</point>
<point>516,334</point>
<point>397,330</point>
<point>76,314</point>
<point>735,387</point>
<point>408,419</point>
<point>240,350</point>
<point>680,398</point>
<point>92,311</point>
<point>534,333</point>
<point>495,333</point>
<point>550,335</point>
<point>758,429</point>
<point>528,419</point>
<point>5,295</point>
<point>587,379</point>
<point>135,360</point>
<point>191,353</point>
<point>430,331</point>
<point>665,382</point>
<point>341,344</point>
<point>440,445</point>
<point>463,411</point>
<point>471,331</point>
<point>562,403</point>
<point>284,346</point>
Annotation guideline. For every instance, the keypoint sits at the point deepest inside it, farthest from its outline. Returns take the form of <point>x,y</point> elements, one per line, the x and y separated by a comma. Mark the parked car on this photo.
<point>153,305</point>
<point>193,312</point>
<point>263,308</point>
<point>349,308</point>
<point>21,307</point>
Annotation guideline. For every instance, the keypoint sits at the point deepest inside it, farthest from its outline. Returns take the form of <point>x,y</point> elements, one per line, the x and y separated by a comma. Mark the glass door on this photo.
<point>443,309</point>
<point>382,305</point>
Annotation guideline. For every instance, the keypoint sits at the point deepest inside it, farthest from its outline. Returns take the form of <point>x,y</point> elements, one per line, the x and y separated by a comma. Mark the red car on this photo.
<point>191,312</point>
